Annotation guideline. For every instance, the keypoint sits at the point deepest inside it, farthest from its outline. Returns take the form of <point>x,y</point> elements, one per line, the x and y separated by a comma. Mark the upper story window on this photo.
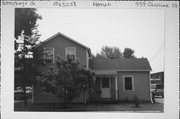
<point>70,52</point>
<point>128,83</point>
<point>48,55</point>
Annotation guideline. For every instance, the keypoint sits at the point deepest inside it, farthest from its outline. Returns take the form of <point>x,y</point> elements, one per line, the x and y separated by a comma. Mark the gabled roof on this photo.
<point>68,38</point>
<point>136,64</point>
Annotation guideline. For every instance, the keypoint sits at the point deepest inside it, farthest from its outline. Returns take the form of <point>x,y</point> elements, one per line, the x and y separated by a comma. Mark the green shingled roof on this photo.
<point>137,64</point>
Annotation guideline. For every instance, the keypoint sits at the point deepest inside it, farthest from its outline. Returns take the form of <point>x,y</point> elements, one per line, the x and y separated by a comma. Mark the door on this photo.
<point>105,87</point>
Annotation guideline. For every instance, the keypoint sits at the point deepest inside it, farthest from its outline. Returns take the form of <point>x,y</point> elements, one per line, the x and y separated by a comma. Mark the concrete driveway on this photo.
<point>159,100</point>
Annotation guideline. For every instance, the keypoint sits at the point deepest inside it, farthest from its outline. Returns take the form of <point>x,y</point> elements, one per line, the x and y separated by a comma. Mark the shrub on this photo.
<point>136,101</point>
<point>126,99</point>
<point>70,80</point>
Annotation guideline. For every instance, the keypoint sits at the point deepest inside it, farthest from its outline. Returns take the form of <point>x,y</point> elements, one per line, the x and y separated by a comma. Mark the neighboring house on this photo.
<point>116,79</point>
<point>154,82</point>
<point>157,83</point>
<point>157,78</point>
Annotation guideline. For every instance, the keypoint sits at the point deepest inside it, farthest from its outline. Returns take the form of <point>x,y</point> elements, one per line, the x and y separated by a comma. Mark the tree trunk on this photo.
<point>65,99</point>
<point>23,75</point>
<point>85,97</point>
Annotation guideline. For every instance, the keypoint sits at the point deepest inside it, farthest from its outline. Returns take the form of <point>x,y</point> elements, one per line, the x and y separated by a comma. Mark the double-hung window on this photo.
<point>128,83</point>
<point>70,52</point>
<point>48,55</point>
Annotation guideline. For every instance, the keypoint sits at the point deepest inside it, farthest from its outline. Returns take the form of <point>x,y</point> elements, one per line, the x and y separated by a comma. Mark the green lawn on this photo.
<point>147,107</point>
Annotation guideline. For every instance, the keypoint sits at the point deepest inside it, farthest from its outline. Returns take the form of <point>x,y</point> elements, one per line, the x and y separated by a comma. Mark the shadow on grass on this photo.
<point>57,107</point>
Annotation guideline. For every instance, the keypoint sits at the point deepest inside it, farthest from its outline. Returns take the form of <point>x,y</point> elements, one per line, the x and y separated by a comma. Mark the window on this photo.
<point>48,55</point>
<point>105,82</point>
<point>70,52</point>
<point>128,83</point>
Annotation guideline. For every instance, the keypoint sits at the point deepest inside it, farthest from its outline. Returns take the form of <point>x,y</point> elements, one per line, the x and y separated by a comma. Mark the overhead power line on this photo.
<point>157,52</point>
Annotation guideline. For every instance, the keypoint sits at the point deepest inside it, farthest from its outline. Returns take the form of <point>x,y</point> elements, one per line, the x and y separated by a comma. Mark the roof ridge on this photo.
<point>72,40</point>
<point>59,33</point>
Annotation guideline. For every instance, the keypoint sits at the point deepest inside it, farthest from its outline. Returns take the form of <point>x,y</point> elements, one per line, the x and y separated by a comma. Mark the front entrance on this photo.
<point>105,87</point>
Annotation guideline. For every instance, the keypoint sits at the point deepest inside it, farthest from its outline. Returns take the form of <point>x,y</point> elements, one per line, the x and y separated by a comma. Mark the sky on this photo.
<point>139,29</point>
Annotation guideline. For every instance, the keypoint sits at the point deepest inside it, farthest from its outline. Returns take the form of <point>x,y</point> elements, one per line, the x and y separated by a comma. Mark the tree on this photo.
<point>128,53</point>
<point>115,53</point>
<point>26,35</point>
<point>25,20</point>
<point>70,80</point>
<point>109,52</point>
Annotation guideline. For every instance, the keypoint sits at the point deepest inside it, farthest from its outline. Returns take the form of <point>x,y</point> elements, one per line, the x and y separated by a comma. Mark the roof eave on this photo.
<point>134,70</point>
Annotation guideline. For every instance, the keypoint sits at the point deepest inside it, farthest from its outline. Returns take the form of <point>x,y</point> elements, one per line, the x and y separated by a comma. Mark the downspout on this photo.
<point>150,88</point>
<point>116,88</point>
<point>87,59</point>
<point>87,66</point>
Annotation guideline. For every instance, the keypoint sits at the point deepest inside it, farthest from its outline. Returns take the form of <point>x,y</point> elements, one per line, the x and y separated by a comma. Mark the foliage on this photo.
<point>136,101</point>
<point>26,35</point>
<point>115,53</point>
<point>70,80</point>
<point>109,52</point>
<point>128,53</point>
<point>25,20</point>
<point>126,99</point>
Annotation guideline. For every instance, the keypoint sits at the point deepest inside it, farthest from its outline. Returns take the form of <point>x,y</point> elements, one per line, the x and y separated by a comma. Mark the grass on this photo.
<point>147,107</point>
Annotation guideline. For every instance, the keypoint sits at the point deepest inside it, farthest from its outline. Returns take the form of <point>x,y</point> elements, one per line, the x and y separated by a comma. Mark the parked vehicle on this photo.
<point>153,87</point>
<point>159,90</point>
<point>29,92</point>
<point>19,93</point>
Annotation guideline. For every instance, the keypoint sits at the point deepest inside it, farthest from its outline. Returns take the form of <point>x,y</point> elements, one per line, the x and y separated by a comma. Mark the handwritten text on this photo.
<point>156,4</point>
<point>64,4</point>
<point>16,3</point>
<point>101,4</point>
